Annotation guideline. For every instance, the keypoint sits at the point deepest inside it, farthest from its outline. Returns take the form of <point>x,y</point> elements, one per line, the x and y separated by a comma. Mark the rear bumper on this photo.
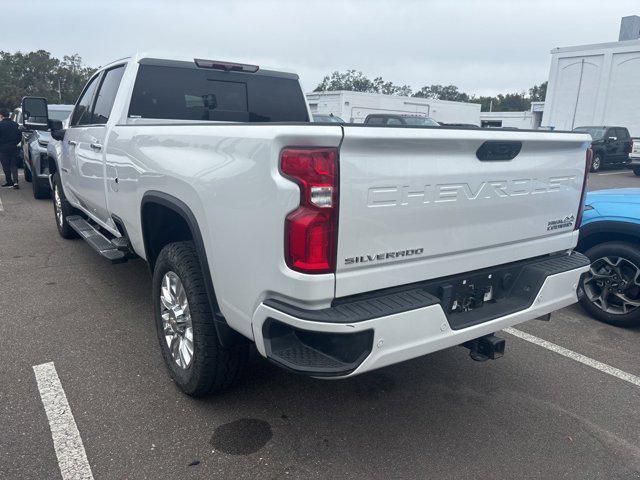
<point>385,333</point>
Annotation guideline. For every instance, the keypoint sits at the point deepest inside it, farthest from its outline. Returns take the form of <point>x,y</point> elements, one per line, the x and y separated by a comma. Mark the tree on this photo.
<point>356,81</point>
<point>39,74</point>
<point>441,92</point>
<point>510,102</point>
<point>537,93</point>
<point>72,76</point>
<point>350,80</point>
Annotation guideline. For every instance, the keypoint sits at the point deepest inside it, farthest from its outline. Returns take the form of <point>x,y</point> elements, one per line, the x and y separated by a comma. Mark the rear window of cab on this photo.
<point>168,92</point>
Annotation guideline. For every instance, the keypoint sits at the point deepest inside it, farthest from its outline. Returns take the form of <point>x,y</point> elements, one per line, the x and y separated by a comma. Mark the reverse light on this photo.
<point>311,230</point>
<point>587,167</point>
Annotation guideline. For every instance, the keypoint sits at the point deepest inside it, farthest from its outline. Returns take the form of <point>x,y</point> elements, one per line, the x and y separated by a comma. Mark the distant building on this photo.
<point>353,107</point>
<point>596,84</point>
<point>530,119</point>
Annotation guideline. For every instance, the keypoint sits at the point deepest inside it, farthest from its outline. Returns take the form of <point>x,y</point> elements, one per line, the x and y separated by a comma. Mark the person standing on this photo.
<point>10,137</point>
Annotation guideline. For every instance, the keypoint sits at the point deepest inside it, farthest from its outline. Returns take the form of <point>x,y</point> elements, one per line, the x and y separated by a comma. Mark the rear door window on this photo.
<point>82,112</point>
<point>107,95</point>
<point>375,121</point>
<point>184,93</point>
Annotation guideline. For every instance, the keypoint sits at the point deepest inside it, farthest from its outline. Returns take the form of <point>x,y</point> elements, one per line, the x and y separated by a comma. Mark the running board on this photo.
<point>101,244</point>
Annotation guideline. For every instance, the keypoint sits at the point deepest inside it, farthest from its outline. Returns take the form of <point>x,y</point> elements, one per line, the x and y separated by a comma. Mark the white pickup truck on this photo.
<point>336,249</point>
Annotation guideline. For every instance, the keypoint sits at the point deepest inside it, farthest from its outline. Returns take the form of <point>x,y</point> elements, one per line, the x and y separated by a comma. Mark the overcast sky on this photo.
<point>483,47</point>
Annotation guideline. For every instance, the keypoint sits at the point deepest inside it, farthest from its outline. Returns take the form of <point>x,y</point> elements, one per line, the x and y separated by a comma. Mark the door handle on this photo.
<point>73,143</point>
<point>96,146</point>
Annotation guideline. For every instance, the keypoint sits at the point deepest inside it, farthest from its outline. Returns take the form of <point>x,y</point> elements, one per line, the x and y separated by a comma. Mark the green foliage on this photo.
<point>39,74</point>
<point>356,81</point>
<point>442,92</point>
<point>511,102</point>
<point>537,93</point>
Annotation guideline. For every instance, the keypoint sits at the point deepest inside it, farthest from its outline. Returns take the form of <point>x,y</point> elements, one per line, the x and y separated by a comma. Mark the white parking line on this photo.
<point>603,367</point>
<point>610,173</point>
<point>1,207</point>
<point>67,443</point>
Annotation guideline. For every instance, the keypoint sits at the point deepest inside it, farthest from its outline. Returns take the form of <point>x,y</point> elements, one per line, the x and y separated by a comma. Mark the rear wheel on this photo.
<point>611,288</point>
<point>596,163</point>
<point>196,360</point>
<point>637,171</point>
<point>62,209</point>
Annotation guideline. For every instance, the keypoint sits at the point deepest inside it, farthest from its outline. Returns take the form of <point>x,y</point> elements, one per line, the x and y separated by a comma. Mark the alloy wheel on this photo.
<point>177,326</point>
<point>613,285</point>
<point>57,201</point>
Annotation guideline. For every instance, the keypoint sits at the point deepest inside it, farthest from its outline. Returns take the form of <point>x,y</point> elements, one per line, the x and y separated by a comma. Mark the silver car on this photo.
<point>34,147</point>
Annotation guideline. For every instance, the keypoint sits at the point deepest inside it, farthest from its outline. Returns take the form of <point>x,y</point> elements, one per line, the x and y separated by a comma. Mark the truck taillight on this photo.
<point>311,231</point>
<point>587,167</point>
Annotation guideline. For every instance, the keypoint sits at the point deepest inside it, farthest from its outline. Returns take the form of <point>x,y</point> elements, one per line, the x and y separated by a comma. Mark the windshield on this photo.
<point>421,121</point>
<point>61,115</point>
<point>597,133</point>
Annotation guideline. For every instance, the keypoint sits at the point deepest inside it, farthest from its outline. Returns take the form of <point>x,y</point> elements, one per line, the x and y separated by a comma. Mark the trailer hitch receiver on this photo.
<point>485,348</point>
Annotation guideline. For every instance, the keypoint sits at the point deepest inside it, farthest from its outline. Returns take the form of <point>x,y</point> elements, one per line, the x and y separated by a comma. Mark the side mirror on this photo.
<point>35,113</point>
<point>57,130</point>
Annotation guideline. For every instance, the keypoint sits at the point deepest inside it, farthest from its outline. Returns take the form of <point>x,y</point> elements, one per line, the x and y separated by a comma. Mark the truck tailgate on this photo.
<point>418,203</point>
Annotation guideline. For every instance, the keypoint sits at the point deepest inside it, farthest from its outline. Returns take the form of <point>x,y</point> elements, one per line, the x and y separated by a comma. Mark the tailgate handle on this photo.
<point>496,151</point>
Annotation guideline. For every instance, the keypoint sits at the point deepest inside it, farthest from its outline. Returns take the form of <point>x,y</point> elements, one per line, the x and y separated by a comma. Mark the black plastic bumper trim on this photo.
<point>515,286</point>
<point>318,354</point>
<point>361,309</point>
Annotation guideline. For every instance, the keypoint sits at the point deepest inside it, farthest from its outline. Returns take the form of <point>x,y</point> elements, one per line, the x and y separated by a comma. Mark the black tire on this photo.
<point>66,210</point>
<point>627,251</point>
<point>596,163</point>
<point>27,174</point>
<point>40,192</point>
<point>213,368</point>
<point>637,171</point>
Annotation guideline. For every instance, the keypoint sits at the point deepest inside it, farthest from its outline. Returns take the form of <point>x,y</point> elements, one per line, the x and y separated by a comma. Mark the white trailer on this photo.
<point>594,85</point>
<point>353,107</point>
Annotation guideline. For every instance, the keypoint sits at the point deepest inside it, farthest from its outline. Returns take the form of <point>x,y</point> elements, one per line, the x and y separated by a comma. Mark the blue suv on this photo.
<point>610,237</point>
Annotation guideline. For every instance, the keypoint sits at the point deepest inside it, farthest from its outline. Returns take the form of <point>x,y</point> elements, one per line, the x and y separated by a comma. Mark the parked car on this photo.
<point>34,147</point>
<point>390,120</point>
<point>610,237</point>
<point>610,145</point>
<point>335,249</point>
<point>331,118</point>
<point>634,156</point>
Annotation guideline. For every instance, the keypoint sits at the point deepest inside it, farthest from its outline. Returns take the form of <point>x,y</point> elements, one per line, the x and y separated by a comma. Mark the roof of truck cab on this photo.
<point>183,61</point>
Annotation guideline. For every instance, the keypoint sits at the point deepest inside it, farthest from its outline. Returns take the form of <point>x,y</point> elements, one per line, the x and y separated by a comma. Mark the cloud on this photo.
<point>484,47</point>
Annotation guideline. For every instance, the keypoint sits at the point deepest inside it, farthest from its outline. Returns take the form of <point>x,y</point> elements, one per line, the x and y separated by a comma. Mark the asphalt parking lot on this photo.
<point>532,414</point>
